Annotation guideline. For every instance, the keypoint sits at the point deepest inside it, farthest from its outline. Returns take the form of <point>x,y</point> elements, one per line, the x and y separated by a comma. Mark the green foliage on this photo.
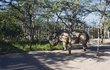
<point>9,29</point>
<point>46,15</point>
<point>107,24</point>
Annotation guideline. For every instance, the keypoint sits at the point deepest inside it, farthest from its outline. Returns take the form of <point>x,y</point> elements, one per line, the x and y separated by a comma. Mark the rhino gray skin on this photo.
<point>69,38</point>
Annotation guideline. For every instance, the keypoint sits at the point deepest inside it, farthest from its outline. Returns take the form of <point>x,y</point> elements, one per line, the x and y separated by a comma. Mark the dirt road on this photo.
<point>56,60</point>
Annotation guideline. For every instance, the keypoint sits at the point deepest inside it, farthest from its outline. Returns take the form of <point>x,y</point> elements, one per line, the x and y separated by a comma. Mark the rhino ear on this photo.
<point>49,37</point>
<point>54,35</point>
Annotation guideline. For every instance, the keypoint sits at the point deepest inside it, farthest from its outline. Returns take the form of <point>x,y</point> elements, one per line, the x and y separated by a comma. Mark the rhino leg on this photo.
<point>64,45</point>
<point>69,48</point>
<point>84,47</point>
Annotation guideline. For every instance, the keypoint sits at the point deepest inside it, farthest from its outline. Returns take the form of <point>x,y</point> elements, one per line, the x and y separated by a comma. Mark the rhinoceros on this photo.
<point>69,38</point>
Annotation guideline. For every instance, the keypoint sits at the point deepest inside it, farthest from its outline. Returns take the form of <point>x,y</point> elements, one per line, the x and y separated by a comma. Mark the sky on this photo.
<point>92,19</point>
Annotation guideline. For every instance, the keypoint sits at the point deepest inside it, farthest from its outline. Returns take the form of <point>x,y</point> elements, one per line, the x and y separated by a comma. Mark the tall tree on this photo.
<point>25,11</point>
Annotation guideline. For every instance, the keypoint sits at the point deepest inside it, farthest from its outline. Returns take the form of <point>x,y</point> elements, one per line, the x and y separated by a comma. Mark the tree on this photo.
<point>9,29</point>
<point>26,11</point>
<point>68,13</point>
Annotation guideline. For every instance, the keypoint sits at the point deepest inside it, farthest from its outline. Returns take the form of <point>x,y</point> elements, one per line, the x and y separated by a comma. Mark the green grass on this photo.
<point>46,47</point>
<point>40,47</point>
<point>16,47</point>
<point>8,48</point>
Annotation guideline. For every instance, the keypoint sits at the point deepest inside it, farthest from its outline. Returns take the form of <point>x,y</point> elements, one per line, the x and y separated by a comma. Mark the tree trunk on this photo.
<point>31,30</point>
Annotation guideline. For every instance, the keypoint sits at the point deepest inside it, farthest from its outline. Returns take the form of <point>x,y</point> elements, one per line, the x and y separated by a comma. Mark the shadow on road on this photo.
<point>52,57</point>
<point>21,61</point>
<point>39,60</point>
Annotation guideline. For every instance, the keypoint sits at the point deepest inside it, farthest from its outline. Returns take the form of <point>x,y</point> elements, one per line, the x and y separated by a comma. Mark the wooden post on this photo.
<point>98,41</point>
<point>98,46</point>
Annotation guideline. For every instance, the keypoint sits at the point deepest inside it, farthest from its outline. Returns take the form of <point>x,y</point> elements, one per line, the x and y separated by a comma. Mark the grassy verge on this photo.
<point>39,47</point>
<point>15,47</point>
<point>8,48</point>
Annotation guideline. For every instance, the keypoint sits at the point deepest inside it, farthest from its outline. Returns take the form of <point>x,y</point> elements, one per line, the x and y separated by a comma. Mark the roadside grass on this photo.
<point>16,47</point>
<point>39,47</point>
<point>8,48</point>
<point>46,47</point>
